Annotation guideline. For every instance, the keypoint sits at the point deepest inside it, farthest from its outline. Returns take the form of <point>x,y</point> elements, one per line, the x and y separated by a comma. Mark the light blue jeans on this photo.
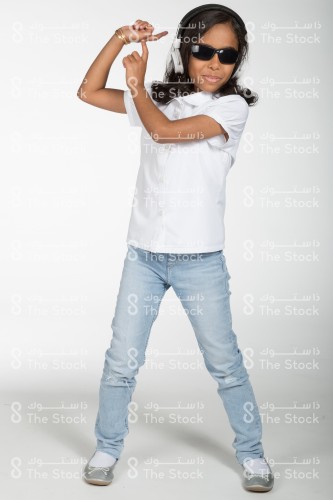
<point>199,279</point>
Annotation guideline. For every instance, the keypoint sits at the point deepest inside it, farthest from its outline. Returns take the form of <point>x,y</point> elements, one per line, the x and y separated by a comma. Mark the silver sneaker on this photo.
<point>101,476</point>
<point>258,482</point>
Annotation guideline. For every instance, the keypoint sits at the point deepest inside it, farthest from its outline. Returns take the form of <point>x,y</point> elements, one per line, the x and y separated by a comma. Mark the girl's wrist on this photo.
<point>120,35</point>
<point>117,40</point>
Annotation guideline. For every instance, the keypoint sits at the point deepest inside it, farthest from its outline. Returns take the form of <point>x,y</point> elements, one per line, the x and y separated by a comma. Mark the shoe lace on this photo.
<point>104,469</point>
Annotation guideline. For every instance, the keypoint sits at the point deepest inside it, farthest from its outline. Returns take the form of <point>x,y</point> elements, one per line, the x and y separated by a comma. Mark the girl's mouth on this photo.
<point>211,79</point>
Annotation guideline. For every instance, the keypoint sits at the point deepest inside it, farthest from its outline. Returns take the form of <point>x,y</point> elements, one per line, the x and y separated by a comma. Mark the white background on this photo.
<point>68,174</point>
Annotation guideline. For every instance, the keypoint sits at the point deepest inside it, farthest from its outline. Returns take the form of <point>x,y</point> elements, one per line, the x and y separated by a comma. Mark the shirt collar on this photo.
<point>197,98</point>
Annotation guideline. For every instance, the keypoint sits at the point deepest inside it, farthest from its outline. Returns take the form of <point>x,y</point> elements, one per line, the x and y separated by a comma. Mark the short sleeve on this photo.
<point>231,112</point>
<point>133,115</point>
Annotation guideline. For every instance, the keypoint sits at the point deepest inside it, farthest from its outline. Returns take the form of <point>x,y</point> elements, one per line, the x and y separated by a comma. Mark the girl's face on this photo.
<point>219,36</point>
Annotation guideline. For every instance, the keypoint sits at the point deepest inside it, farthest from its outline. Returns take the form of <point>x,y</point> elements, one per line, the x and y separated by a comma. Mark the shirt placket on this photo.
<point>163,197</point>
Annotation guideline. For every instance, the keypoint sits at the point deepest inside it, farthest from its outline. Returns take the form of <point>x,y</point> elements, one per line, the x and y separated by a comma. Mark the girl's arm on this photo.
<point>92,89</point>
<point>160,128</point>
<point>163,130</point>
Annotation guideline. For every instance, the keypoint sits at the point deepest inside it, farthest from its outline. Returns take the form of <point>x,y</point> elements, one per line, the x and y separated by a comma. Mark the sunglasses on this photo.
<point>205,52</point>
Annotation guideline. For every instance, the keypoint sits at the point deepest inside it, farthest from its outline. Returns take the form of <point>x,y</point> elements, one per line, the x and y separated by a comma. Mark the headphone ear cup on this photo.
<point>176,43</point>
<point>176,57</point>
<point>177,61</point>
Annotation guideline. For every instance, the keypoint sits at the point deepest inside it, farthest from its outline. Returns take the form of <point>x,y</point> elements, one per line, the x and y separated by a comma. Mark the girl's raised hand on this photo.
<point>136,67</point>
<point>141,30</point>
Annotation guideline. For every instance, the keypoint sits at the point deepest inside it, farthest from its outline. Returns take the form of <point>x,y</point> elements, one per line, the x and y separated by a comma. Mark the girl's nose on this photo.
<point>214,62</point>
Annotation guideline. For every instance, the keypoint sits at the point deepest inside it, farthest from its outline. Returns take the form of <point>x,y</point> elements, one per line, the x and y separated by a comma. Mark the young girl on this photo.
<point>191,125</point>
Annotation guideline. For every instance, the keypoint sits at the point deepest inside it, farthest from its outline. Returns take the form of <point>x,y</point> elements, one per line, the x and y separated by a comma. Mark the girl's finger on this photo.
<point>144,51</point>
<point>143,25</point>
<point>136,55</point>
<point>138,21</point>
<point>138,24</point>
<point>154,38</point>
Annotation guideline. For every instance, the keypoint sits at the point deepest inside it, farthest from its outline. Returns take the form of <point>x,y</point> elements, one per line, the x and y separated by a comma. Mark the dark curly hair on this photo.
<point>163,92</point>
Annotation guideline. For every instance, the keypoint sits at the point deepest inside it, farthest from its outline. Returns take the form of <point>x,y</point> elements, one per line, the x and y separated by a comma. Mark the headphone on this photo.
<point>175,53</point>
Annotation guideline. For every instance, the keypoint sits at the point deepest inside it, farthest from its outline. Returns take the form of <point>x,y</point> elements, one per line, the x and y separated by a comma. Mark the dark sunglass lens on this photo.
<point>202,52</point>
<point>228,56</point>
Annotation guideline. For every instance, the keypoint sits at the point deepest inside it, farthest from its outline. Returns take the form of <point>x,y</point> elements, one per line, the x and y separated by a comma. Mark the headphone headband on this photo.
<point>203,8</point>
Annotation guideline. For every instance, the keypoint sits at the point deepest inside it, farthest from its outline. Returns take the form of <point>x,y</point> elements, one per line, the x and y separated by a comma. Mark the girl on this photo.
<point>191,128</point>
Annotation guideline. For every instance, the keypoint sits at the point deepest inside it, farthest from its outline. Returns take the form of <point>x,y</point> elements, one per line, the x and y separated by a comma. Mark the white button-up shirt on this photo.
<point>179,199</point>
